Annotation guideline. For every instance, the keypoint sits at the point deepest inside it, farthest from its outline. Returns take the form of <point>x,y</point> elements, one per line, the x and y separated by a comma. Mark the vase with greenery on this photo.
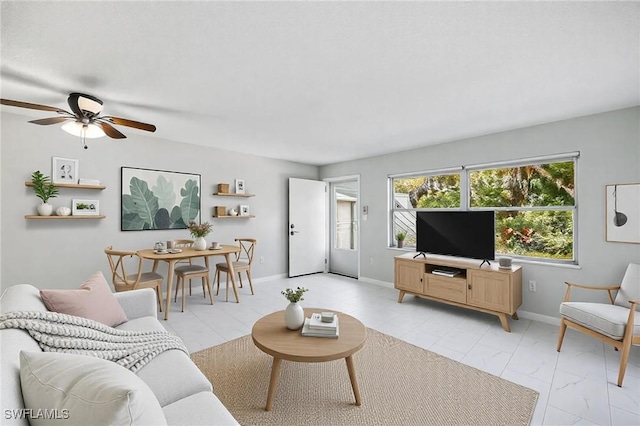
<point>294,314</point>
<point>400,236</point>
<point>44,190</point>
<point>199,231</point>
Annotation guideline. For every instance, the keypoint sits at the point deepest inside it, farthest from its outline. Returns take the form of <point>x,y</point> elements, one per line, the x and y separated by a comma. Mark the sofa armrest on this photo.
<point>138,303</point>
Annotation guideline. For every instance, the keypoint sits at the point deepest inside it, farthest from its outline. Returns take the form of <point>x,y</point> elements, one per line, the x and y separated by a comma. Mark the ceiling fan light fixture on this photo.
<point>81,130</point>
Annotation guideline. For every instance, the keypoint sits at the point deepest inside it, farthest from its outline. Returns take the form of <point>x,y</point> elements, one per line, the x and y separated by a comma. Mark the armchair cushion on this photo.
<point>629,287</point>
<point>92,300</point>
<point>606,319</point>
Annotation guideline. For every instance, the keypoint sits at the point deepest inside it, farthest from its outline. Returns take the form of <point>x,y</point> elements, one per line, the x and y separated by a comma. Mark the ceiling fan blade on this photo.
<point>129,123</point>
<point>111,131</point>
<point>52,120</point>
<point>20,104</point>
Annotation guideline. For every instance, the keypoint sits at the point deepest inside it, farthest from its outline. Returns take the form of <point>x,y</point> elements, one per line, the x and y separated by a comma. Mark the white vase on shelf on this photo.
<point>200,244</point>
<point>45,209</point>
<point>294,316</point>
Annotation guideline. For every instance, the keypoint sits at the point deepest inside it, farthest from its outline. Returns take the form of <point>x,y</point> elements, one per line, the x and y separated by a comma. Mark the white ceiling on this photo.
<point>324,82</point>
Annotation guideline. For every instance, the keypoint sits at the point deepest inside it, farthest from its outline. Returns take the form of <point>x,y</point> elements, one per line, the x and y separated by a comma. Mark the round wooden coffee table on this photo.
<point>272,337</point>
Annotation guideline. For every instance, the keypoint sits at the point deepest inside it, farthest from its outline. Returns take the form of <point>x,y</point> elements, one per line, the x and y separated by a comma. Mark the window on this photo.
<point>534,201</point>
<point>415,192</point>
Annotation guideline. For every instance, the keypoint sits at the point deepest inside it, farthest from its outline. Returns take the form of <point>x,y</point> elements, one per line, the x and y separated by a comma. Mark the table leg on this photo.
<point>169,285</point>
<point>232,273</point>
<point>273,383</point>
<point>352,376</point>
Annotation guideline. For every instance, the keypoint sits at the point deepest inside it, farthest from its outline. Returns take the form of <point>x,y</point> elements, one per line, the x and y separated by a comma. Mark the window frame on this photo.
<point>465,198</point>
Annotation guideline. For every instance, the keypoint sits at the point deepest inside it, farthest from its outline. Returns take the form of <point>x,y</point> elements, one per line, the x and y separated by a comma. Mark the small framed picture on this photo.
<point>239,186</point>
<point>244,210</point>
<point>85,207</point>
<point>64,170</point>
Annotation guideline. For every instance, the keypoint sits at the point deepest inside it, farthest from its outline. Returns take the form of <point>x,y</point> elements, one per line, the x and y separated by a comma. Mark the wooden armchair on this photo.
<point>615,324</point>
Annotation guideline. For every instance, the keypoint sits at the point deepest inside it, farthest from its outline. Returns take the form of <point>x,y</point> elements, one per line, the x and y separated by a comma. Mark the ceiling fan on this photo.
<point>86,119</point>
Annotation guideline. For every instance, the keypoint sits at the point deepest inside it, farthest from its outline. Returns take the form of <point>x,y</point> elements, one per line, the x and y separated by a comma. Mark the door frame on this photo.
<point>328,214</point>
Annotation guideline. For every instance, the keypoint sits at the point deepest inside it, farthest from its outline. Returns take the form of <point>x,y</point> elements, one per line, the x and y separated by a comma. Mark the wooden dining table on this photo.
<point>190,253</point>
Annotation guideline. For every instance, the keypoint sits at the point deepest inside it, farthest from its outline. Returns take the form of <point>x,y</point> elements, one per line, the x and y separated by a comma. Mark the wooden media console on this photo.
<point>485,288</point>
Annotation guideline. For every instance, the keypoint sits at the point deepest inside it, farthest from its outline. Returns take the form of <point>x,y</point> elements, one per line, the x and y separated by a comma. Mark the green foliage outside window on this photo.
<point>533,203</point>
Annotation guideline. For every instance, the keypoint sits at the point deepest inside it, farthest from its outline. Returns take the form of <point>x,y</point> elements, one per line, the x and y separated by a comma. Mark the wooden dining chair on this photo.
<point>187,270</point>
<point>243,262</point>
<point>122,281</point>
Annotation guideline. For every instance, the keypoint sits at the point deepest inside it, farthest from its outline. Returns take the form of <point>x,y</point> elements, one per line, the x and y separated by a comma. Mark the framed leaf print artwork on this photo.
<point>158,199</point>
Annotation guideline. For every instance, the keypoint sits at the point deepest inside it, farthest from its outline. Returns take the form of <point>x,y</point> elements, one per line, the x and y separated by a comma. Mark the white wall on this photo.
<point>609,146</point>
<point>62,253</point>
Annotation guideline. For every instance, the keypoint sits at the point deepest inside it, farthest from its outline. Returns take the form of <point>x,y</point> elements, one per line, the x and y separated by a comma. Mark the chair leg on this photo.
<point>208,287</point>
<point>250,283</point>
<point>240,279</point>
<point>189,287</point>
<point>159,298</point>
<point>204,290</point>
<point>183,285</point>
<point>226,286</point>
<point>217,280</point>
<point>563,329</point>
<point>175,298</point>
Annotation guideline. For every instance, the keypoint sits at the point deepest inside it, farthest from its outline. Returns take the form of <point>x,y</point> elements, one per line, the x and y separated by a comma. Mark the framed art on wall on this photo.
<point>623,213</point>
<point>244,210</point>
<point>239,186</point>
<point>158,199</point>
<point>64,170</point>
<point>85,207</point>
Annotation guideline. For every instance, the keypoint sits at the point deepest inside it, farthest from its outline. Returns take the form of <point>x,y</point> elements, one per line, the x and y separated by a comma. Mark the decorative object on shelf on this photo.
<point>623,213</point>
<point>223,188</point>
<point>159,199</point>
<point>64,170</point>
<point>199,232</point>
<point>85,207</point>
<point>233,212</point>
<point>294,314</point>
<point>63,211</point>
<point>87,121</point>
<point>239,186</point>
<point>219,211</point>
<point>400,236</point>
<point>44,190</point>
<point>244,210</point>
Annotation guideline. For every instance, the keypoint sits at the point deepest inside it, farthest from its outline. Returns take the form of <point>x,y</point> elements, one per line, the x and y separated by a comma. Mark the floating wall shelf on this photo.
<point>65,217</point>
<point>72,185</point>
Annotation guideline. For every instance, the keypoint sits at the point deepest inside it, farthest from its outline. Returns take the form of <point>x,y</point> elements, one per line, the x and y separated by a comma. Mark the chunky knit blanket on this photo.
<point>56,332</point>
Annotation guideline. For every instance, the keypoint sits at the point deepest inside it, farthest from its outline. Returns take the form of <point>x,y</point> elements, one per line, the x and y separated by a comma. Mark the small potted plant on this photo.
<point>199,232</point>
<point>44,190</point>
<point>294,314</point>
<point>400,236</point>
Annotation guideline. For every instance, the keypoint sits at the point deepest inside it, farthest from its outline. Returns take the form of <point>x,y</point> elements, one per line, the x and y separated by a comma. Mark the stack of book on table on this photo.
<point>315,327</point>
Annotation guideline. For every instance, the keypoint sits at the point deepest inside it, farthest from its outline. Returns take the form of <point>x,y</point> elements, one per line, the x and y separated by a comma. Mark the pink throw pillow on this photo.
<point>92,300</point>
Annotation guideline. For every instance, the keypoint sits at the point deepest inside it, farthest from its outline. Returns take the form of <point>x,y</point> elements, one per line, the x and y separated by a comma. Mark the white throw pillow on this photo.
<point>83,390</point>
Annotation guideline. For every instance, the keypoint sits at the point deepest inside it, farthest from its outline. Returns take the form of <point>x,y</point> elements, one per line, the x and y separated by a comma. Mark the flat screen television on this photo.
<point>457,233</point>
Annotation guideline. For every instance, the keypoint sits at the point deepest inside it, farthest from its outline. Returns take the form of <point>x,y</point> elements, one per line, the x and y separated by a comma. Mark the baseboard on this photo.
<point>376,282</point>
<point>540,318</point>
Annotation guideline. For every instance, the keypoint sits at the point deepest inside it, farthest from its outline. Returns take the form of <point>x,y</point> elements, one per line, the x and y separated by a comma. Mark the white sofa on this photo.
<point>184,393</point>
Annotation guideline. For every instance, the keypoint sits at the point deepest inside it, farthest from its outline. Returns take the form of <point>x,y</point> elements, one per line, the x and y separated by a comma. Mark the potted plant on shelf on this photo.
<point>44,190</point>
<point>294,314</point>
<point>400,236</point>
<point>199,232</point>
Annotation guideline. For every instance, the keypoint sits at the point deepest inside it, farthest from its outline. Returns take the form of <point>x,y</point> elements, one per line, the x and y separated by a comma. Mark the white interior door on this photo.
<point>307,207</point>
<point>343,248</point>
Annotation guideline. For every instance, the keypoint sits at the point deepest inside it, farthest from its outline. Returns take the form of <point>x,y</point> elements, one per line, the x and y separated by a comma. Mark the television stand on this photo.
<point>461,282</point>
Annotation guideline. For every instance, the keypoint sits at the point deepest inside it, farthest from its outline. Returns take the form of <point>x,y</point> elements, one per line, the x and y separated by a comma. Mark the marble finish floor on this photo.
<point>576,386</point>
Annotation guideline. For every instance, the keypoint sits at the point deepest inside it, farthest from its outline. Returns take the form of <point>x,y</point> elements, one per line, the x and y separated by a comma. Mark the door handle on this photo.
<point>295,232</point>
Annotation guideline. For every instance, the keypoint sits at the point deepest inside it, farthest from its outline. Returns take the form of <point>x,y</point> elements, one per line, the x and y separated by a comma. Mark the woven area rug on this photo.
<point>400,384</point>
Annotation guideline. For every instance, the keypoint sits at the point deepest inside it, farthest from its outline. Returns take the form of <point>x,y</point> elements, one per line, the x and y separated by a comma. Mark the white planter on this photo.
<point>200,244</point>
<point>45,209</point>
<point>294,316</point>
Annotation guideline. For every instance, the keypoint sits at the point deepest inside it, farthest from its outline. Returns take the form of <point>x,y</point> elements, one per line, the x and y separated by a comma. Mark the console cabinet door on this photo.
<point>489,290</point>
<point>409,276</point>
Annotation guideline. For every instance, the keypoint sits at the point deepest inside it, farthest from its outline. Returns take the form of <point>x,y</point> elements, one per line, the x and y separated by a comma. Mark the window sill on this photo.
<point>552,264</point>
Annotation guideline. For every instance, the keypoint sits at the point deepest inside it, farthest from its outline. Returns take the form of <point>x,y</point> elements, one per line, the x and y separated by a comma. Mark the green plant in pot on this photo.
<point>44,190</point>
<point>294,314</point>
<point>400,236</point>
